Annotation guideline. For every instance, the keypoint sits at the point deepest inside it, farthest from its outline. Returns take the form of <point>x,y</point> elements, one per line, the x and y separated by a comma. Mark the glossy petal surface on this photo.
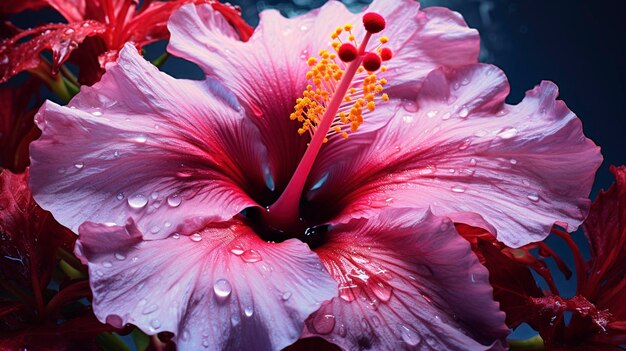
<point>172,154</point>
<point>458,148</point>
<point>406,282</point>
<point>222,288</point>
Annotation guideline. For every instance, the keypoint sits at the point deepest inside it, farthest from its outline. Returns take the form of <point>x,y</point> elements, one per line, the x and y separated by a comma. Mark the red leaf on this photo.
<point>74,334</point>
<point>17,56</point>
<point>17,128</point>
<point>605,228</point>
<point>29,236</point>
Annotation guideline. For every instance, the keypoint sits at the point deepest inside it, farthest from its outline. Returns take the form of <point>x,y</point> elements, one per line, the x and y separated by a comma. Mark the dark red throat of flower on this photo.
<point>343,88</point>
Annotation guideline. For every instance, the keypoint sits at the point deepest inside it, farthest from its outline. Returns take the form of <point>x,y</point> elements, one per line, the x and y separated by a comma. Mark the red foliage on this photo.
<point>31,316</point>
<point>599,307</point>
<point>17,129</point>
<point>114,22</point>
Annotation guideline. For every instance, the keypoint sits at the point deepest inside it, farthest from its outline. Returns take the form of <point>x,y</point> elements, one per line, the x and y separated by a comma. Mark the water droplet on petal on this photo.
<point>251,256</point>
<point>96,113</point>
<point>137,201</point>
<point>507,133</point>
<point>175,235</point>
<point>237,250</point>
<point>458,189</point>
<point>464,112</point>
<point>155,323</point>
<point>513,161</point>
<point>408,119</point>
<point>286,296</point>
<point>155,229</point>
<point>248,311</point>
<point>324,323</point>
<point>119,256</point>
<point>432,114</point>
<point>472,162</point>
<point>174,200</point>
<point>382,291</point>
<point>195,237</point>
<point>533,197</point>
<point>107,264</point>
<point>120,196</point>
<point>141,139</point>
<point>79,165</point>
<point>222,288</point>
<point>409,335</point>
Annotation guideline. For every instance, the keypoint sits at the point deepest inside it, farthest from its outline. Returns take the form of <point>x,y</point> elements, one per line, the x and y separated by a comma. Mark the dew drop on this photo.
<point>251,256</point>
<point>409,335</point>
<point>174,200</point>
<point>248,311</point>
<point>141,139</point>
<point>237,250</point>
<point>432,114</point>
<point>464,112</point>
<point>446,116</point>
<point>205,342</point>
<point>119,256</point>
<point>342,331</point>
<point>195,237</point>
<point>408,119</point>
<point>155,323</point>
<point>410,106</point>
<point>222,288</point>
<point>458,189</point>
<point>286,296</point>
<point>120,196</point>
<point>137,201</point>
<point>324,323</point>
<point>79,165</point>
<point>513,161</point>
<point>533,197</point>
<point>507,133</point>
<point>176,236</point>
<point>472,162</point>
<point>382,291</point>
<point>97,113</point>
<point>154,195</point>
<point>107,264</point>
<point>155,229</point>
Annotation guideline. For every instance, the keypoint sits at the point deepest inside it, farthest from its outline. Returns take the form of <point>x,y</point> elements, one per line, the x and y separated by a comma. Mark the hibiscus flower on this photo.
<point>102,26</point>
<point>216,211</point>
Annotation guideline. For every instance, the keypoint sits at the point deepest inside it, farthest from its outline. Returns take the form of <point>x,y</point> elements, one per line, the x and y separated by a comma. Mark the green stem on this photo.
<point>159,61</point>
<point>534,343</point>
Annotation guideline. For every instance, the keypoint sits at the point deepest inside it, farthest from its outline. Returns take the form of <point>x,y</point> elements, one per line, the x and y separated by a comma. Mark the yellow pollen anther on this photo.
<point>325,74</point>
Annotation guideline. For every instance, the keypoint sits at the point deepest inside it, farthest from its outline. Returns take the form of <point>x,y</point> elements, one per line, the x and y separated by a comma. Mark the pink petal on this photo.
<point>267,73</point>
<point>423,41</point>
<point>222,288</point>
<point>458,149</point>
<point>406,282</point>
<point>172,154</point>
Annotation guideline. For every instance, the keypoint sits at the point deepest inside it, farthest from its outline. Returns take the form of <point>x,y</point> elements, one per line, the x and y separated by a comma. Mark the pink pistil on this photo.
<point>284,214</point>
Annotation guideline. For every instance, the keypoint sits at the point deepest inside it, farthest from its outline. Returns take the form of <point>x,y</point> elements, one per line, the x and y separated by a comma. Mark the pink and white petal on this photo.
<point>222,288</point>
<point>172,154</point>
<point>460,150</point>
<point>421,41</point>
<point>267,72</point>
<point>406,282</point>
